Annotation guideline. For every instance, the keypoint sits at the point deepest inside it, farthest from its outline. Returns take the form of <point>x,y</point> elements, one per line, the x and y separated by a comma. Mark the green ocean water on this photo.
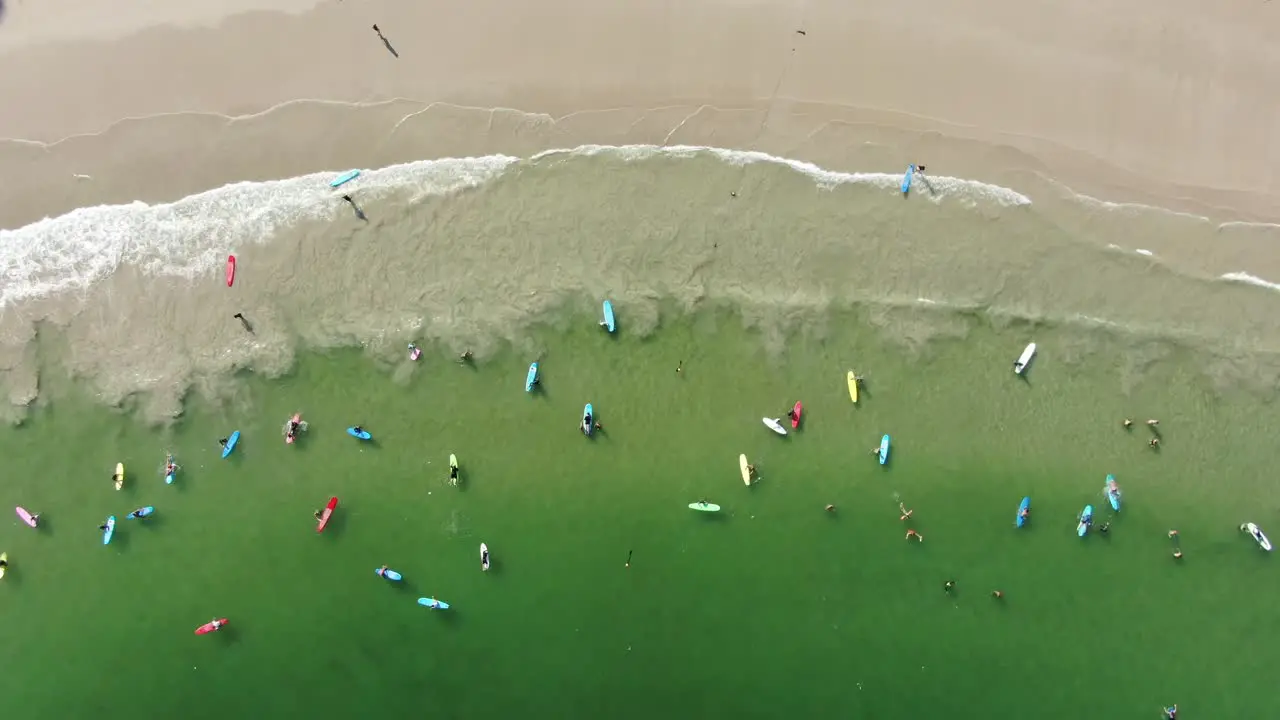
<point>772,608</point>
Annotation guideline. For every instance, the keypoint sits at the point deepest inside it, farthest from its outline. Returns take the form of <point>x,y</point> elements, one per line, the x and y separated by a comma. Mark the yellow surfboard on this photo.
<point>745,468</point>
<point>853,386</point>
<point>119,475</point>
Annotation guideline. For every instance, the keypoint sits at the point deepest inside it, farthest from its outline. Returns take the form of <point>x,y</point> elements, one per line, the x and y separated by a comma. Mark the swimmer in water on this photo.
<point>913,534</point>
<point>902,507</point>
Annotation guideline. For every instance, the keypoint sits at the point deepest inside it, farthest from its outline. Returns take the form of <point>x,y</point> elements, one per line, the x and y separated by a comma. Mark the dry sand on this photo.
<point>1172,103</point>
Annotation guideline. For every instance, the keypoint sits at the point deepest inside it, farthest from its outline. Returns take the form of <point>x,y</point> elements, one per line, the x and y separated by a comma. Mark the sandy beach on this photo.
<point>1138,141</point>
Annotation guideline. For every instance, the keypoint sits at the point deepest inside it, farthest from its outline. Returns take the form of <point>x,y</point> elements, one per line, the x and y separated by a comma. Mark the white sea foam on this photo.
<point>940,185</point>
<point>1244,277</point>
<point>193,236</point>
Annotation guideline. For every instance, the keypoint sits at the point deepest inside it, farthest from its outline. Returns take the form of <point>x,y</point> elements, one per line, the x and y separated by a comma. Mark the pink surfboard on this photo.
<point>26,516</point>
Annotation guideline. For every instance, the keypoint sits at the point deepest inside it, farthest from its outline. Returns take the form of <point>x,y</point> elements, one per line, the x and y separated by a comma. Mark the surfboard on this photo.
<point>774,425</point>
<point>853,386</point>
<point>433,603</point>
<point>532,378</point>
<point>1258,536</point>
<point>360,434</point>
<point>1024,359</point>
<point>484,556</point>
<point>608,316</point>
<point>26,517</point>
<point>231,443</point>
<point>111,530</point>
<point>231,270</point>
<point>1086,518</point>
<point>745,468</point>
<point>389,574</point>
<point>884,450</point>
<point>344,178</point>
<point>1025,506</point>
<point>795,415</point>
<point>141,513</point>
<point>704,507</point>
<point>119,475</point>
<point>906,179</point>
<point>209,627</point>
<point>588,420</point>
<point>453,465</point>
<point>326,514</point>
<point>1113,492</point>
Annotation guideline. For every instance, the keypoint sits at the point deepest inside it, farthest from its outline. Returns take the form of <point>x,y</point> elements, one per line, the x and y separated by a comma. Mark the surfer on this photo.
<point>466,356</point>
<point>215,624</point>
<point>913,534</point>
<point>679,367</point>
<point>1105,528</point>
<point>222,442</point>
<point>791,414</point>
<point>948,586</point>
<point>1171,712</point>
<point>997,594</point>
<point>831,508</point>
<point>1024,513</point>
<point>291,429</point>
<point>319,515</point>
<point>1127,423</point>
<point>170,467</point>
<point>137,513</point>
<point>103,527</point>
<point>751,471</point>
<point>358,429</point>
<point>629,558</point>
<point>4,563</point>
<point>453,474</point>
<point>902,507</point>
<point>35,520</point>
<point>1153,423</point>
<point>1155,442</point>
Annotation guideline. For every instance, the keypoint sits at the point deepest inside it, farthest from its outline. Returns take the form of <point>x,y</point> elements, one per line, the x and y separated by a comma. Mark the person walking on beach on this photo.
<point>906,514</point>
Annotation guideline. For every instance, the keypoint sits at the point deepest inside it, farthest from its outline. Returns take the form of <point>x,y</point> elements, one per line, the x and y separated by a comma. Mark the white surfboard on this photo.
<point>1258,535</point>
<point>774,425</point>
<point>1024,359</point>
<point>745,468</point>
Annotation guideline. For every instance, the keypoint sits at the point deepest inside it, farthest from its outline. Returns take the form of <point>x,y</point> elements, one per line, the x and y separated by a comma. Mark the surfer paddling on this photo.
<point>913,534</point>
<point>906,514</point>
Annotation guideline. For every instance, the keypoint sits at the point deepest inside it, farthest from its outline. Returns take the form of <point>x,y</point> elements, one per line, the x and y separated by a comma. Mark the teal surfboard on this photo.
<point>608,317</point>
<point>231,443</point>
<point>433,603</point>
<point>884,450</point>
<point>344,178</point>
<point>111,530</point>
<point>906,179</point>
<point>532,378</point>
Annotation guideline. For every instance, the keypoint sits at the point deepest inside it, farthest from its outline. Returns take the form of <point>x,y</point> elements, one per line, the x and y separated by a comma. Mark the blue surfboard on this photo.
<point>344,178</point>
<point>111,530</point>
<point>389,574</point>
<point>433,603</point>
<point>141,512</point>
<point>588,420</point>
<point>1023,510</point>
<point>884,449</point>
<point>360,434</point>
<point>532,378</point>
<point>1112,495</point>
<point>1086,519</point>
<point>906,179</point>
<point>231,443</point>
<point>608,317</point>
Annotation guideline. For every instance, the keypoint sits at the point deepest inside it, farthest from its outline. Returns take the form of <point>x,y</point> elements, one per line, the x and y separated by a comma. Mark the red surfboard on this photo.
<point>231,269</point>
<point>328,513</point>
<point>795,415</point>
<point>209,627</point>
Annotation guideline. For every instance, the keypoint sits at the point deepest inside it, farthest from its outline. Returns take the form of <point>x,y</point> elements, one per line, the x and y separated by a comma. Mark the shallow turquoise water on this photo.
<point>771,608</point>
